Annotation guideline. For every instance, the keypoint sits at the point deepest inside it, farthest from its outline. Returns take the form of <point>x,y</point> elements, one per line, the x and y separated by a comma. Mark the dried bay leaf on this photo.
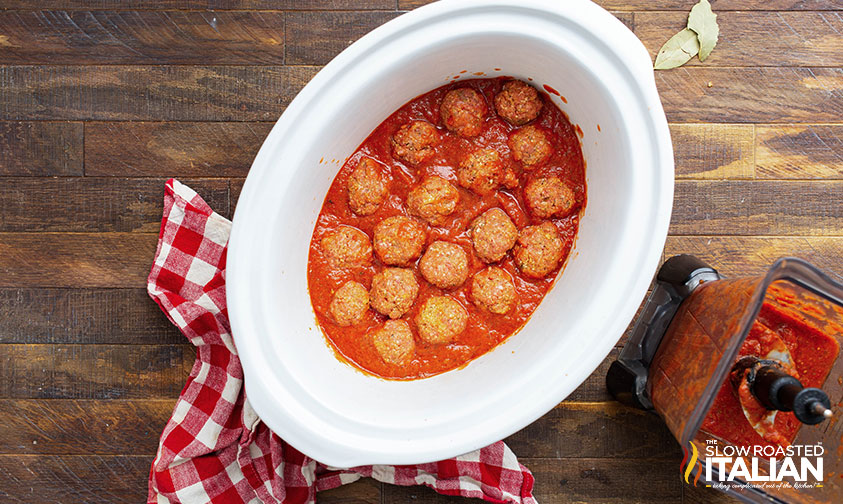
<point>678,50</point>
<point>704,23</point>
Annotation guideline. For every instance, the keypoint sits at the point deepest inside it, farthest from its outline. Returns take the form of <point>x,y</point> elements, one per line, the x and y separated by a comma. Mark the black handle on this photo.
<point>777,390</point>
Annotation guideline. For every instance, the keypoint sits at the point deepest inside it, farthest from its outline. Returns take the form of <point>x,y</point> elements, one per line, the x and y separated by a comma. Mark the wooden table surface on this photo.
<point>101,101</point>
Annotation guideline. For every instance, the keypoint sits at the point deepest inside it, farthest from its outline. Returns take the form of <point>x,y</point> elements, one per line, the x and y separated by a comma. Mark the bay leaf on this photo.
<point>704,23</point>
<point>678,50</point>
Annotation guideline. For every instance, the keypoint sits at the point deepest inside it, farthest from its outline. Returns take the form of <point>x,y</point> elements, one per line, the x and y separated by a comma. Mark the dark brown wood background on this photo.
<point>102,100</point>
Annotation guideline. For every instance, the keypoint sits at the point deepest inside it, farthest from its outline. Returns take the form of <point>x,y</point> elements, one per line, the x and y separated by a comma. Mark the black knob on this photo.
<point>777,390</point>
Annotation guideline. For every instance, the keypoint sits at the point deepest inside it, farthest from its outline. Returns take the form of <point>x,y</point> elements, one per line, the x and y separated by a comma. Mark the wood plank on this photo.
<point>714,151</point>
<point>595,430</point>
<point>593,481</point>
<point>763,207</point>
<point>153,93</point>
<point>813,151</point>
<point>82,426</point>
<point>76,260</point>
<point>172,149</point>
<point>752,95</point>
<point>57,37</point>
<point>799,39</point>
<point>702,495</point>
<point>94,371</point>
<point>234,189</point>
<point>685,5</point>
<point>60,479</point>
<point>202,4</point>
<point>363,491</point>
<point>94,204</point>
<point>40,148</point>
<point>316,37</point>
<point>84,316</point>
<point>593,389</point>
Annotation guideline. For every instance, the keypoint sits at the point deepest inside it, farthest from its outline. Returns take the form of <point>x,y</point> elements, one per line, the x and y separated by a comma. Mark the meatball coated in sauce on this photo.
<point>493,234</point>
<point>463,111</point>
<point>399,240</point>
<point>349,304</point>
<point>367,187</point>
<point>415,142</point>
<point>440,320</point>
<point>394,342</point>
<point>548,196</point>
<point>492,290</point>
<point>433,200</point>
<point>444,264</point>
<point>530,146</point>
<point>481,171</point>
<point>347,246</point>
<point>518,103</point>
<point>539,250</point>
<point>393,292</point>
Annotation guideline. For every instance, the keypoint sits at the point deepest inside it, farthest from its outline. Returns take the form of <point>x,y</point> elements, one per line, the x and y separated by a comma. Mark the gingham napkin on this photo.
<point>215,448</point>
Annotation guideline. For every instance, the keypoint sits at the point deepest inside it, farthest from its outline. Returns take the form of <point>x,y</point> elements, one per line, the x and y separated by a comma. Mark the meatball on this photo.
<point>492,289</point>
<point>440,320</point>
<point>399,240</point>
<point>393,291</point>
<point>415,142</point>
<point>482,171</point>
<point>530,146</point>
<point>347,246</point>
<point>463,111</point>
<point>518,103</point>
<point>367,187</point>
<point>349,304</point>
<point>549,196</point>
<point>539,250</point>
<point>444,264</point>
<point>433,199</point>
<point>493,234</point>
<point>394,342</point>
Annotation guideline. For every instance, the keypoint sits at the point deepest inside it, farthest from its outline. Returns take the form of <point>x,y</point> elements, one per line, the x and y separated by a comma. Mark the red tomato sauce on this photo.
<point>484,330</point>
<point>813,353</point>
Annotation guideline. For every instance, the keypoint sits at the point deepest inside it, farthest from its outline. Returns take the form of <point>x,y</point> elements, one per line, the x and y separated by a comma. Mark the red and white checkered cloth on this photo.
<point>215,448</point>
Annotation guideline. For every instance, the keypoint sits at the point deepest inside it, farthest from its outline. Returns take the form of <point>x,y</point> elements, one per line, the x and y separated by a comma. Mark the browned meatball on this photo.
<point>367,187</point>
<point>492,289</point>
<point>415,142</point>
<point>394,342</point>
<point>440,320</point>
<point>433,199</point>
<point>444,264</point>
<point>493,234</point>
<point>399,240</point>
<point>481,171</point>
<point>347,246</point>
<point>530,146</point>
<point>393,291</point>
<point>539,250</point>
<point>549,196</point>
<point>463,111</point>
<point>349,304</point>
<point>518,102</point>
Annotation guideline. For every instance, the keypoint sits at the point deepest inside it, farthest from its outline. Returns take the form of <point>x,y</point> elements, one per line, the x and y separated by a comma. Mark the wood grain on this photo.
<point>763,207</point>
<point>94,204</point>
<point>213,5</point>
<point>71,479</point>
<point>316,37</point>
<point>752,95</point>
<point>714,151</point>
<point>799,152</point>
<point>172,149</point>
<point>234,189</point>
<point>685,5</point>
<point>756,39</point>
<point>82,426</point>
<point>152,93</point>
<point>363,491</point>
<point>141,37</point>
<point>94,371</point>
<point>40,148</point>
<point>702,495</point>
<point>76,260</point>
<point>83,316</point>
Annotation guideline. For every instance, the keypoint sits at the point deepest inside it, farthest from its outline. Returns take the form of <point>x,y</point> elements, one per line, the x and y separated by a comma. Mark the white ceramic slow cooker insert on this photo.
<point>343,417</point>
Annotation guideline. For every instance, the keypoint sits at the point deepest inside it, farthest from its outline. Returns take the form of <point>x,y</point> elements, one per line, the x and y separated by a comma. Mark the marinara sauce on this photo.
<point>484,330</point>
